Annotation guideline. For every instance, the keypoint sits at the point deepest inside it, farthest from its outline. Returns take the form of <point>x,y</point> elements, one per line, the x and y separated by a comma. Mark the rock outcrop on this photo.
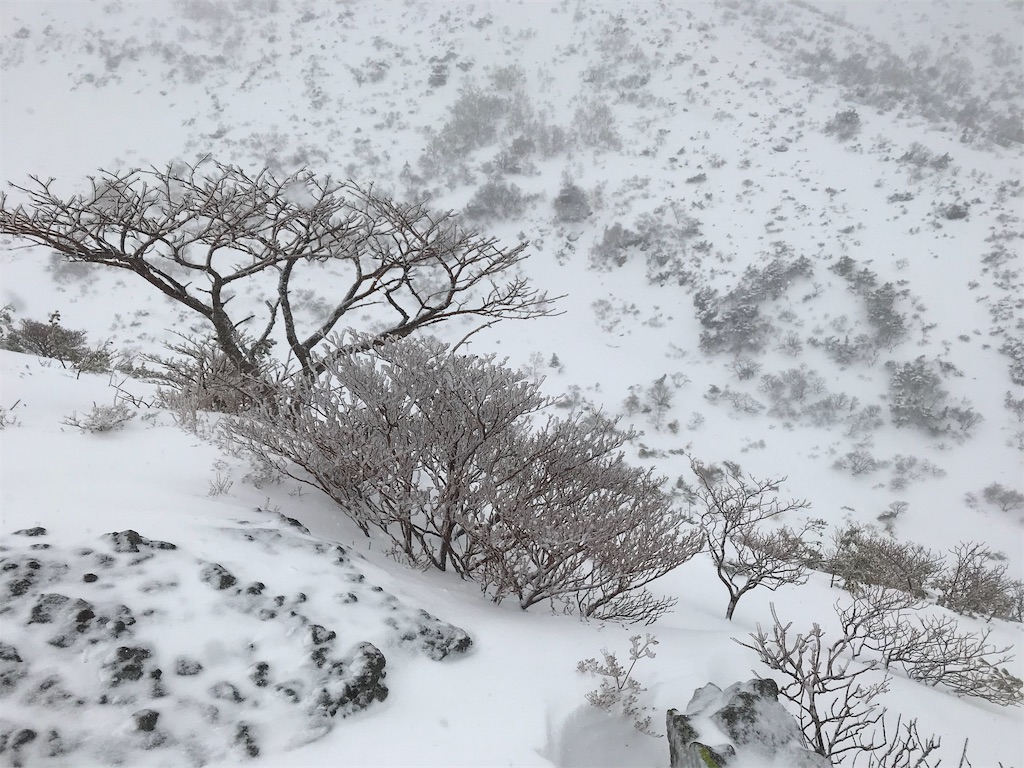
<point>744,723</point>
<point>132,644</point>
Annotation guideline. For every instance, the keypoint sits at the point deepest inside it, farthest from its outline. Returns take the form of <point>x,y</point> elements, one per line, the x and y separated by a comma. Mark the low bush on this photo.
<point>53,340</point>
<point>459,463</point>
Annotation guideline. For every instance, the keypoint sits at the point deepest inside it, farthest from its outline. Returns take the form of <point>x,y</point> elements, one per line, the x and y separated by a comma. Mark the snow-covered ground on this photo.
<point>714,149</point>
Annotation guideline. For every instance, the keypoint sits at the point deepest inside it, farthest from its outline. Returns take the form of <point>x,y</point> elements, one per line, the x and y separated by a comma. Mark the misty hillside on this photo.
<point>782,234</point>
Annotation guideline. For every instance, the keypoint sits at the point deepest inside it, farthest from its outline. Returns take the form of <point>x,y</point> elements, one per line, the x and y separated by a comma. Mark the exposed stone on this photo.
<point>48,608</point>
<point>187,667</point>
<point>354,683</point>
<point>320,635</point>
<point>245,739</point>
<point>145,719</point>
<point>217,576</point>
<point>759,727</point>
<point>259,673</point>
<point>131,541</point>
<point>226,691</point>
<point>37,531</point>
<point>127,664</point>
<point>8,652</point>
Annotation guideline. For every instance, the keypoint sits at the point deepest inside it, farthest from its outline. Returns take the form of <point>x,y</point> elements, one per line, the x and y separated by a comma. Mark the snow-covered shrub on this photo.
<point>789,390</point>
<point>102,418</point>
<point>1007,499</point>
<point>976,584</point>
<point>457,460</point>
<point>199,376</point>
<point>593,125</point>
<point>654,400</point>
<point>497,201</point>
<point>955,211</point>
<point>619,690</point>
<point>734,322</point>
<point>838,707</point>
<point>844,125</point>
<point>744,367</point>
<point>571,204</point>
<point>861,557</point>
<point>916,396</point>
<point>1014,349</point>
<point>53,340</point>
<point>859,462</point>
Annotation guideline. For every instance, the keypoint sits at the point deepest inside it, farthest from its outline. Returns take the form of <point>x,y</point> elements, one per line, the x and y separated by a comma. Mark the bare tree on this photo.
<point>746,556</point>
<point>198,233</point>
<point>830,680</point>
<point>453,458</point>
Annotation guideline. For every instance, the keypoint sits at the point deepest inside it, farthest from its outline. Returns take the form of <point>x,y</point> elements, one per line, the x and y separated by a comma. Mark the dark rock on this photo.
<point>39,546</point>
<point>295,524</point>
<point>291,690</point>
<point>760,729</point>
<point>265,614</point>
<point>226,691</point>
<point>48,608</point>
<point>439,639</point>
<point>256,588</point>
<point>259,673</point>
<point>354,683</point>
<point>9,679</point>
<point>157,690</point>
<point>54,744</point>
<point>37,531</point>
<point>217,576</point>
<point>131,541</point>
<point>23,737</point>
<point>8,652</point>
<point>680,734</point>
<point>245,739</point>
<point>321,635</point>
<point>145,719</point>
<point>187,667</point>
<point>127,664</point>
<point>19,587</point>
<point>89,578</point>
<point>83,617</point>
<point>319,656</point>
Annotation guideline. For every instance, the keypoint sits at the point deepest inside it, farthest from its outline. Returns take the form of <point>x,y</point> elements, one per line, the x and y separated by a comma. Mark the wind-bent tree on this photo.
<point>200,233</point>
<point>732,508</point>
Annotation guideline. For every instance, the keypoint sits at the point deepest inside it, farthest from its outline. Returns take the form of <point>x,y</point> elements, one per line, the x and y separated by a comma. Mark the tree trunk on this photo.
<point>733,600</point>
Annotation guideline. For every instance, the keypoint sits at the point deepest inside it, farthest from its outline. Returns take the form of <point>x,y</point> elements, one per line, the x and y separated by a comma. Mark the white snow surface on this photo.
<point>89,85</point>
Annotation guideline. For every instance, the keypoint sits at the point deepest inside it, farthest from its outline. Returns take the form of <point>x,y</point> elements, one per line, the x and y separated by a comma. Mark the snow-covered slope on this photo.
<point>700,135</point>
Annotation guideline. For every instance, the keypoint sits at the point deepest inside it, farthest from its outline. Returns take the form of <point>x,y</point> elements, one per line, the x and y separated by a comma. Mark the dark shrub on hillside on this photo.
<point>496,201</point>
<point>860,557</point>
<point>571,204</point>
<point>916,395</point>
<point>458,461</point>
<point>955,211</point>
<point>51,339</point>
<point>844,125</point>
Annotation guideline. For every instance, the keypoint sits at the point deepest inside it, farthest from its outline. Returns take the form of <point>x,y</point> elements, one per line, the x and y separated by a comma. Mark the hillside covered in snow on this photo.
<point>783,235</point>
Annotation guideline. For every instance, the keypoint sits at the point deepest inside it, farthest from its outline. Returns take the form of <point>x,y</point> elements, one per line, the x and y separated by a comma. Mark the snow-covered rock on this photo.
<point>130,650</point>
<point>744,723</point>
